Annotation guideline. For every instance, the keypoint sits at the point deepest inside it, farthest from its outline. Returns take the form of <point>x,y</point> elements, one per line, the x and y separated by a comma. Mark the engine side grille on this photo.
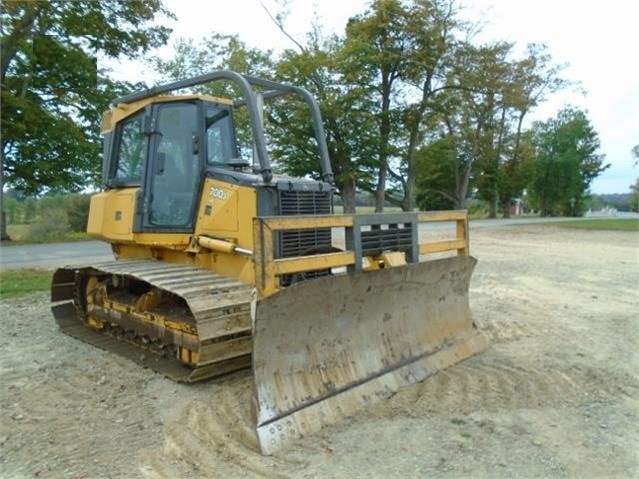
<point>294,202</point>
<point>304,242</point>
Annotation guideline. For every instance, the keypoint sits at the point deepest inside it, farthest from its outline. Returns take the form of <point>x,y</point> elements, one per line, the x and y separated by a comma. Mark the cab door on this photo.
<point>174,175</point>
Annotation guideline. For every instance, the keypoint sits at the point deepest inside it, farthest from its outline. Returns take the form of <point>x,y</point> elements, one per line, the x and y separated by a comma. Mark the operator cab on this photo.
<point>182,138</point>
<point>160,149</point>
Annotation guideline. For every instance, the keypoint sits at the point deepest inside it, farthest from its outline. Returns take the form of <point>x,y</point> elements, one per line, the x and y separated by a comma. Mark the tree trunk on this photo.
<point>4,235</point>
<point>380,191</point>
<point>506,207</point>
<point>458,203</point>
<point>494,204</point>
<point>384,133</point>
<point>347,193</point>
<point>462,179</point>
<point>492,212</point>
<point>408,202</point>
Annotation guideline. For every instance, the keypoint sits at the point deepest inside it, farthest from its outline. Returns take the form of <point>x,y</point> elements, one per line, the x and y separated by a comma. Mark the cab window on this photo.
<point>175,179</point>
<point>219,139</point>
<point>130,151</point>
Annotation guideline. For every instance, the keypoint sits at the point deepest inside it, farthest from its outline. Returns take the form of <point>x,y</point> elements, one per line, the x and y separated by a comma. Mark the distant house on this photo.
<point>516,207</point>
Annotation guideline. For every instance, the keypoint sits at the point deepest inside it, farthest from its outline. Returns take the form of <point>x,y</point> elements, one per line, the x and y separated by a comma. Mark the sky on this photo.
<point>598,39</point>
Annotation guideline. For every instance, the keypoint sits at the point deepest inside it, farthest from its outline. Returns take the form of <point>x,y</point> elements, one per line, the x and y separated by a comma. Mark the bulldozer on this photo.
<point>221,264</point>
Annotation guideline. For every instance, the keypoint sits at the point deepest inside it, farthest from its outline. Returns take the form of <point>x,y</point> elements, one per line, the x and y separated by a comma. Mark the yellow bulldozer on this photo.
<point>220,264</point>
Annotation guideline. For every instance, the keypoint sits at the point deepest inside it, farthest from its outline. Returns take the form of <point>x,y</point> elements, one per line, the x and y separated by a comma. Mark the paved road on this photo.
<point>53,255</point>
<point>59,254</point>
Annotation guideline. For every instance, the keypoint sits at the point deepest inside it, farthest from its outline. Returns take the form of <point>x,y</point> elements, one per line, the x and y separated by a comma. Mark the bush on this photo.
<point>54,228</point>
<point>77,210</point>
<point>427,200</point>
<point>477,208</point>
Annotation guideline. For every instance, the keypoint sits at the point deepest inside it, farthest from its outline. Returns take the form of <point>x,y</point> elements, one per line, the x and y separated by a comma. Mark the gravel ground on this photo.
<point>557,395</point>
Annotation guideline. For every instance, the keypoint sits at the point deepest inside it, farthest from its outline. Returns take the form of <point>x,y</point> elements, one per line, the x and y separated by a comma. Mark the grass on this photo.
<point>616,224</point>
<point>22,282</point>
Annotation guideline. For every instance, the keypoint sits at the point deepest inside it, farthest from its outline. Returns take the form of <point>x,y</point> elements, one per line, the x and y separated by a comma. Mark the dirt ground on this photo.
<point>556,396</point>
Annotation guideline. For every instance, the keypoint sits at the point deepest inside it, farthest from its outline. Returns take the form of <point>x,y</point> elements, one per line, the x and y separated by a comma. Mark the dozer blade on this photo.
<point>323,349</point>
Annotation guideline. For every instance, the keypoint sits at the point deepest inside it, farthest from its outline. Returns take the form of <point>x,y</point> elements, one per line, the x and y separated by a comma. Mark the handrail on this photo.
<point>249,98</point>
<point>268,267</point>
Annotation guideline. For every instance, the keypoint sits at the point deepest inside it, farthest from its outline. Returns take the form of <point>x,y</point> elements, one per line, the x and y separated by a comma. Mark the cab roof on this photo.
<point>121,111</point>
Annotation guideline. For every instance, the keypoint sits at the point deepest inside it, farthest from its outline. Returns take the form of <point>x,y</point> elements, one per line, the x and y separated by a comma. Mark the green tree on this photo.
<point>566,162</point>
<point>472,113</point>
<point>52,92</point>
<point>398,53</point>
<point>12,209</point>
<point>214,52</point>
<point>375,58</point>
<point>317,66</point>
<point>634,198</point>
<point>435,168</point>
<point>491,95</point>
<point>400,80</point>
<point>218,52</point>
<point>313,65</point>
<point>432,34</point>
<point>530,81</point>
<point>77,211</point>
<point>634,189</point>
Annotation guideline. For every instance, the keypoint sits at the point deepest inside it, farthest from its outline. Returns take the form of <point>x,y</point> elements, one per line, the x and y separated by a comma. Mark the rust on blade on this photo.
<point>324,349</point>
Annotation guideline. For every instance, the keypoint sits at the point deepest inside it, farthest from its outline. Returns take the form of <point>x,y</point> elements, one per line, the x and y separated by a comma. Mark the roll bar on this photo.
<point>246,83</point>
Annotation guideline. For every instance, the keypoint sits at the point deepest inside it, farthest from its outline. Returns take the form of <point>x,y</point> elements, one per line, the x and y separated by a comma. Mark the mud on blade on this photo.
<point>325,348</point>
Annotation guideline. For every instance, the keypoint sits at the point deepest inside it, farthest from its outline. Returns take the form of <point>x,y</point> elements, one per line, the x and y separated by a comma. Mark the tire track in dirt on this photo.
<point>87,425</point>
<point>74,413</point>
<point>214,436</point>
<point>489,384</point>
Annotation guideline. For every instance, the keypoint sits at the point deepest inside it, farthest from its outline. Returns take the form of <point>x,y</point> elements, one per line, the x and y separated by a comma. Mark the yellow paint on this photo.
<point>215,244</point>
<point>314,262</point>
<point>94,323</point>
<point>309,222</point>
<point>369,264</point>
<point>148,301</point>
<point>451,215</point>
<point>268,268</point>
<point>124,308</point>
<point>226,213</point>
<point>392,259</point>
<point>167,251</point>
<point>179,326</point>
<point>111,215</point>
<point>187,356</point>
<point>94,290</point>
<point>439,246</point>
<point>123,110</point>
<point>158,319</point>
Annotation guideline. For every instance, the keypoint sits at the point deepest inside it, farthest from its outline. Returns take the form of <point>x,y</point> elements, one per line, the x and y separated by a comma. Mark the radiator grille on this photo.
<point>303,242</point>
<point>392,237</point>
<point>305,202</point>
